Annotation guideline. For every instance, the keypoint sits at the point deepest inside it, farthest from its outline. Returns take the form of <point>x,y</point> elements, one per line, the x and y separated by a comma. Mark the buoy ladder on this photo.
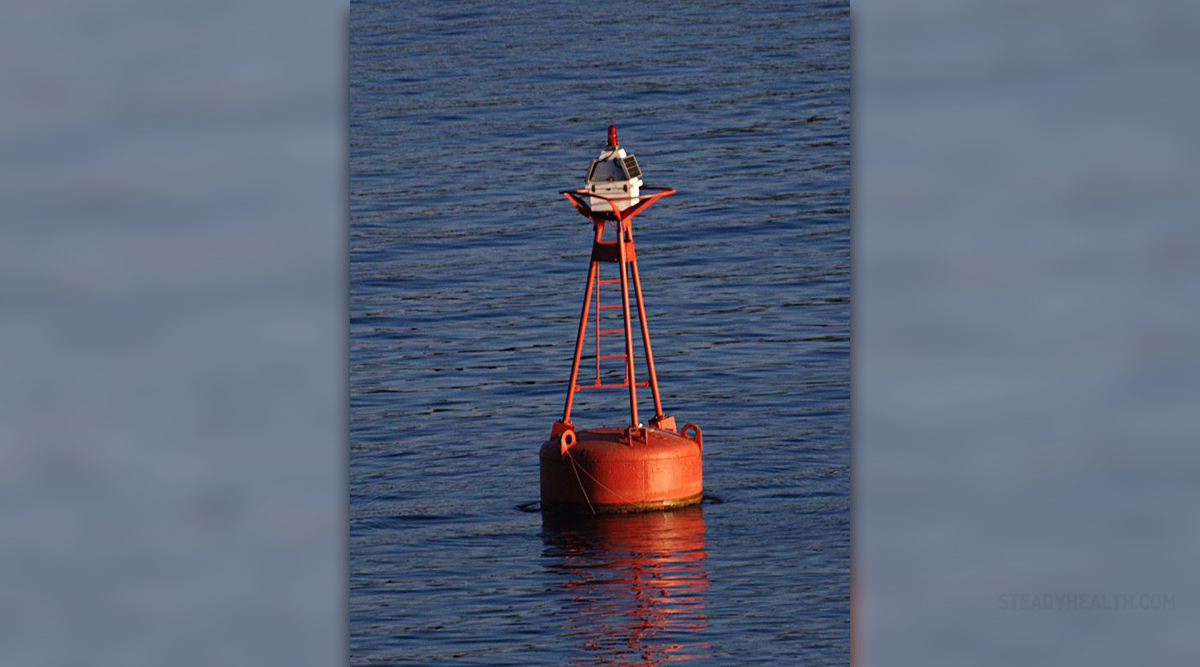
<point>620,251</point>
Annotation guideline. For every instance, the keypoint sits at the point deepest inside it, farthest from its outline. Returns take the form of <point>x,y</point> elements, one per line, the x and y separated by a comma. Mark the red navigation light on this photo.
<point>612,136</point>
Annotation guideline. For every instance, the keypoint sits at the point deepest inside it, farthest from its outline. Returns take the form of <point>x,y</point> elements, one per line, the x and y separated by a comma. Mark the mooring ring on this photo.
<point>565,442</point>
<point>698,437</point>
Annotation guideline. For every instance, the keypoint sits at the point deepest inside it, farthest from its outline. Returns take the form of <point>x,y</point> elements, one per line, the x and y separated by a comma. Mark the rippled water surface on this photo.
<point>466,273</point>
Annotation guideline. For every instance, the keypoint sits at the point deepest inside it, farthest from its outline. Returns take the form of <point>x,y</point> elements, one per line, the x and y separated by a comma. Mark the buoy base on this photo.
<point>659,505</point>
<point>621,469</point>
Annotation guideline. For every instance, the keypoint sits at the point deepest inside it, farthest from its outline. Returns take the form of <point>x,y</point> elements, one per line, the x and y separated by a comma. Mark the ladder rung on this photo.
<point>611,331</point>
<point>610,282</point>
<point>610,385</point>
<point>605,306</point>
<point>612,356</point>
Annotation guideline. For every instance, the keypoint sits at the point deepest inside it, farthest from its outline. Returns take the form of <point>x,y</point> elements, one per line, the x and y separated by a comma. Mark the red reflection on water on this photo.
<point>636,584</point>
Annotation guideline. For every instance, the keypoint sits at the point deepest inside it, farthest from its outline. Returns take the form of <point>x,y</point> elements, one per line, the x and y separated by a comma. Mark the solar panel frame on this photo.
<point>621,165</point>
<point>632,168</point>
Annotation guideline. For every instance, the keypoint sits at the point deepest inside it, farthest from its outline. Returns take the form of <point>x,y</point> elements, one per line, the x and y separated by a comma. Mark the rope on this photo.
<point>598,482</point>
<point>580,481</point>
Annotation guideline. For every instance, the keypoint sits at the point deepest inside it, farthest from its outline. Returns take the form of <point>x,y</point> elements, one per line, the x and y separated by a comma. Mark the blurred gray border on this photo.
<point>1025,333</point>
<point>173,401</point>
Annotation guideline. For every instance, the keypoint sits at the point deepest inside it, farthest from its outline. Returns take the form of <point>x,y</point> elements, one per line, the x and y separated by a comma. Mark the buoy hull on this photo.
<point>605,472</point>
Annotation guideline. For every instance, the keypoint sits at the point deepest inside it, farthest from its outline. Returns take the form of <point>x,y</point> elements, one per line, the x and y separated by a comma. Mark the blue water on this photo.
<point>466,273</point>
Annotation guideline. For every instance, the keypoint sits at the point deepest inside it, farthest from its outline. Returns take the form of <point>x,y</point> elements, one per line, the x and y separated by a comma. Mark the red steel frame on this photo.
<point>624,255</point>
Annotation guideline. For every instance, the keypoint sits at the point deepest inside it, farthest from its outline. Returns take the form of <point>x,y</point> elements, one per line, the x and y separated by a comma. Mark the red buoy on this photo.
<point>618,468</point>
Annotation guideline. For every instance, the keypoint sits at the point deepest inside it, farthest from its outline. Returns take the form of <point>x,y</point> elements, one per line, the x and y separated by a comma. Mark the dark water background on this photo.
<point>466,273</point>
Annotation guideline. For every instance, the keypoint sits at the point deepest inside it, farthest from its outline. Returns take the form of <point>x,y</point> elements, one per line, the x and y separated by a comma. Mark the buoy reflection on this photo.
<point>635,584</point>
